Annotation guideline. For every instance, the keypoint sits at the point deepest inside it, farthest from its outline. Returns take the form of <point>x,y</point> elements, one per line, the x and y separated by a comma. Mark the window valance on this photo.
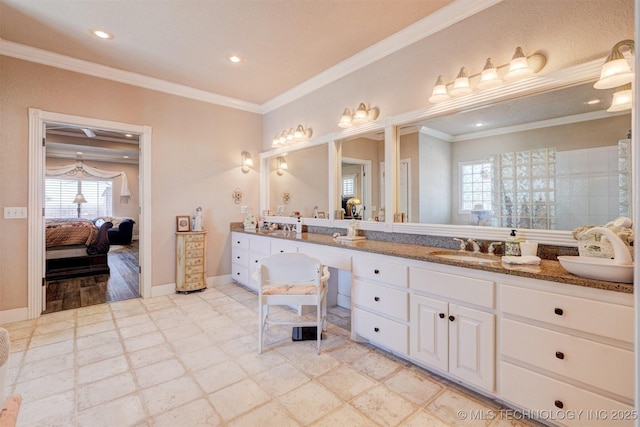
<point>80,168</point>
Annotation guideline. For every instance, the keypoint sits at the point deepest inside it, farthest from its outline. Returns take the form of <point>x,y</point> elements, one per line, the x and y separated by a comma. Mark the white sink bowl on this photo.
<point>597,268</point>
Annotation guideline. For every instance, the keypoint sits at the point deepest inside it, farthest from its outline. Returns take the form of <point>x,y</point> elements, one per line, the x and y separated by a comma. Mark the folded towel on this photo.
<point>521,260</point>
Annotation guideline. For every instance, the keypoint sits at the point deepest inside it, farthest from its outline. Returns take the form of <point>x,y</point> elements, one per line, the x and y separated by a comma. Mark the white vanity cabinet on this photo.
<point>568,352</point>
<point>246,252</point>
<point>380,300</point>
<point>448,335</point>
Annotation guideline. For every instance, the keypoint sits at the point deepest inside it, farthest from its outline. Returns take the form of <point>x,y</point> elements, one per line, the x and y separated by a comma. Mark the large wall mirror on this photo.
<point>299,182</point>
<point>361,176</point>
<point>549,161</point>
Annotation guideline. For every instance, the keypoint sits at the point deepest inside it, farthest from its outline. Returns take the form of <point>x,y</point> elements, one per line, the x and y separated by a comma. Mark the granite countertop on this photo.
<point>547,270</point>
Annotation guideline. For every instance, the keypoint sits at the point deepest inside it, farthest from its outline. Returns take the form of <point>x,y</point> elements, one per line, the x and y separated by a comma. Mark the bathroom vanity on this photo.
<point>554,345</point>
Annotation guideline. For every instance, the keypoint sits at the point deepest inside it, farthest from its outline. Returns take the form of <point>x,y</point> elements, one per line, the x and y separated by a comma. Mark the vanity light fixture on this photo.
<point>518,68</point>
<point>291,136</point>
<point>461,84</point>
<point>281,165</point>
<point>622,98</point>
<point>360,116</point>
<point>246,161</point>
<point>616,70</point>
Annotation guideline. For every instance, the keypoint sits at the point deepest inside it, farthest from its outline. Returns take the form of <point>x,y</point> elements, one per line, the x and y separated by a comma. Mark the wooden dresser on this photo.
<point>191,253</point>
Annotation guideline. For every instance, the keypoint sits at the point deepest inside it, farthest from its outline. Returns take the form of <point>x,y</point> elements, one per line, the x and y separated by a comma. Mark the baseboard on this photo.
<point>218,280</point>
<point>162,290</point>
<point>14,315</point>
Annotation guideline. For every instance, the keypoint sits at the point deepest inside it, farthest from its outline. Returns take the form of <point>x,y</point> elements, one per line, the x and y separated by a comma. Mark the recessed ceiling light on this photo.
<point>235,59</point>
<point>128,135</point>
<point>79,153</point>
<point>126,157</point>
<point>593,102</point>
<point>101,34</point>
<point>479,124</point>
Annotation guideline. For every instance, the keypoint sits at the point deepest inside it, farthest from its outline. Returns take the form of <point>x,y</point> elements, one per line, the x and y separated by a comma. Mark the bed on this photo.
<point>75,247</point>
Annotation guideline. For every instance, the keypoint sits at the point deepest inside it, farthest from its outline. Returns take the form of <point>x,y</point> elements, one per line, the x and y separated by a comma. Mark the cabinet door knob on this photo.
<point>376,298</point>
<point>452,318</point>
<point>441,315</point>
<point>558,311</point>
<point>281,251</point>
<point>559,404</point>
<point>376,329</point>
<point>238,257</point>
<point>376,271</point>
<point>238,242</point>
<point>560,355</point>
<point>238,273</point>
<point>256,261</point>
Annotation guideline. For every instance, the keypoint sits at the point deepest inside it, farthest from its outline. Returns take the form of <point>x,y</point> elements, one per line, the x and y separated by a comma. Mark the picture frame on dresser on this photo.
<point>183,223</point>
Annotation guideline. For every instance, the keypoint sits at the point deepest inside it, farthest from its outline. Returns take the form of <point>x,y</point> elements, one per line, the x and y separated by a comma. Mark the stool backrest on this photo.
<point>291,268</point>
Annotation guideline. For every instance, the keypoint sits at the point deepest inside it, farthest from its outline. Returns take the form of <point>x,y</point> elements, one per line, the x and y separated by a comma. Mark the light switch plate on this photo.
<point>244,209</point>
<point>15,213</point>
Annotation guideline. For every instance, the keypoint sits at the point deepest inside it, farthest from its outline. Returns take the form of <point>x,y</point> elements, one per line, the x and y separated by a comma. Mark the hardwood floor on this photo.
<point>120,284</point>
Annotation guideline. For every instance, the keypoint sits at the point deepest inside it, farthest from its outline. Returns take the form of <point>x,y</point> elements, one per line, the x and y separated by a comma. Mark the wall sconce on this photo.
<point>519,67</point>
<point>281,165</point>
<point>361,115</point>
<point>237,195</point>
<point>291,136</point>
<point>246,161</point>
<point>616,72</point>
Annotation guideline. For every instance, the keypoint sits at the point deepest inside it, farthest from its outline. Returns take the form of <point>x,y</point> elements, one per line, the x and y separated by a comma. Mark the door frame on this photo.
<point>36,246</point>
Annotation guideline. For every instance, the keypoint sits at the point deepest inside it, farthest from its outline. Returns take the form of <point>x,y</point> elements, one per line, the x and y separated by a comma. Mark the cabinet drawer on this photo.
<point>240,274</point>
<point>193,261</point>
<point>193,269</point>
<point>278,246</point>
<point>393,274</point>
<point>239,240</point>
<point>194,238</point>
<point>383,300</point>
<point>339,261</point>
<point>466,289</point>
<point>258,244</point>
<point>595,317</point>
<point>536,392</point>
<point>194,253</point>
<point>385,332</point>
<point>194,245</point>
<point>600,365</point>
<point>194,278</point>
<point>240,257</point>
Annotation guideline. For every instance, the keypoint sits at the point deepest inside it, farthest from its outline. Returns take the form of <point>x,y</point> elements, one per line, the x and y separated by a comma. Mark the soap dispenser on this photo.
<point>512,245</point>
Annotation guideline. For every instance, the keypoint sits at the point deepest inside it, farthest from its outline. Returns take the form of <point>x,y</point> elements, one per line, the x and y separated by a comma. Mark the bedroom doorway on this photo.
<point>94,144</point>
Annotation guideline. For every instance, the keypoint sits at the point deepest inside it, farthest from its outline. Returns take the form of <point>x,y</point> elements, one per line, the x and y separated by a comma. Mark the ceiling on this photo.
<point>283,43</point>
<point>67,142</point>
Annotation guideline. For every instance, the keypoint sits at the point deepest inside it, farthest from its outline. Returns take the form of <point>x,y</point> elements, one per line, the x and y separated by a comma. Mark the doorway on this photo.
<point>39,121</point>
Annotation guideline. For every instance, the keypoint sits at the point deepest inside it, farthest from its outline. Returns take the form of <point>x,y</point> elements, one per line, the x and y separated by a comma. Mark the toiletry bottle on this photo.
<point>512,245</point>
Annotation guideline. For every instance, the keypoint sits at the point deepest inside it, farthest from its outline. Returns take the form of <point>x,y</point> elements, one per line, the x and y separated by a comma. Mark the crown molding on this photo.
<point>437,21</point>
<point>44,57</point>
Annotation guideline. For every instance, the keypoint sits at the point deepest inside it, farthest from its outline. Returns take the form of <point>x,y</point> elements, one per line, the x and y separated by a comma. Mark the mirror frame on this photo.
<point>581,73</point>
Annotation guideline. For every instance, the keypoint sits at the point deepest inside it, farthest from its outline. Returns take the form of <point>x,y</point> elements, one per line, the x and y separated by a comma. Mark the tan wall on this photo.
<point>195,156</point>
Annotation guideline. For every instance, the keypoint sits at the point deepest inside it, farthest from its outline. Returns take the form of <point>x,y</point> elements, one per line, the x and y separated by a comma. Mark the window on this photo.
<point>348,185</point>
<point>476,186</point>
<point>60,194</point>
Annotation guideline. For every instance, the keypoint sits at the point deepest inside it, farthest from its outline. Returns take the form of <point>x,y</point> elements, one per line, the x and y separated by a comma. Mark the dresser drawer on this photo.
<point>194,253</point>
<point>240,257</point>
<point>194,245</point>
<point>193,261</point>
<point>194,238</point>
<point>600,365</point>
<point>193,269</point>
<point>383,300</point>
<point>239,240</point>
<point>385,332</point>
<point>539,393</point>
<point>466,289</point>
<point>595,317</point>
<point>259,244</point>
<point>393,274</point>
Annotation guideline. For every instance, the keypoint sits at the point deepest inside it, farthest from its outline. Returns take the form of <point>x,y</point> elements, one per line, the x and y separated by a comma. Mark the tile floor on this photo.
<point>190,360</point>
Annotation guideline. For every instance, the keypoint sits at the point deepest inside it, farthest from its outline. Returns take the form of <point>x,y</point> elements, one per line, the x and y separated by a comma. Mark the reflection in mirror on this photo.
<point>362,175</point>
<point>298,181</point>
<point>550,161</point>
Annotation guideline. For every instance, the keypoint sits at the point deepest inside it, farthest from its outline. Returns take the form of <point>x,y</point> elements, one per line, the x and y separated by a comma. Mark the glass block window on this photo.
<point>525,189</point>
<point>60,194</point>
<point>476,180</point>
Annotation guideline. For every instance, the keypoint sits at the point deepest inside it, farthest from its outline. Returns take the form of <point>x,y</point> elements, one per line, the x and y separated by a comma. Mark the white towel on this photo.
<point>521,260</point>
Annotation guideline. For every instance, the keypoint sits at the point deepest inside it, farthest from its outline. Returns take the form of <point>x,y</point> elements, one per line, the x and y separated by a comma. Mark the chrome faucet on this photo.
<point>492,247</point>
<point>463,244</point>
<point>475,245</point>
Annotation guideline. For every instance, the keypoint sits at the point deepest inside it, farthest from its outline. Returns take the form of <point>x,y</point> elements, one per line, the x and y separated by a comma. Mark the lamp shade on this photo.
<point>439,93</point>
<point>461,84</point>
<point>489,77</point>
<point>345,120</point>
<point>79,199</point>
<point>622,99</point>
<point>361,115</point>
<point>616,70</point>
<point>518,67</point>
